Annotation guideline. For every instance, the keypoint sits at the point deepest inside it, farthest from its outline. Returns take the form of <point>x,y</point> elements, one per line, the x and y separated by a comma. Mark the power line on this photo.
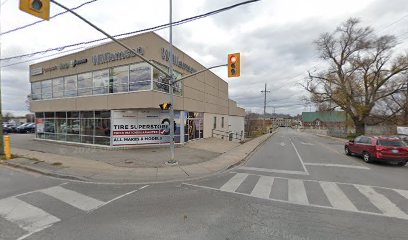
<point>159,27</point>
<point>40,21</point>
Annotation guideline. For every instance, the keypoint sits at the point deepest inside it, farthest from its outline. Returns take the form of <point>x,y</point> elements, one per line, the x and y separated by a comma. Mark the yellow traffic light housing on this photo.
<point>38,8</point>
<point>234,65</point>
<point>165,106</point>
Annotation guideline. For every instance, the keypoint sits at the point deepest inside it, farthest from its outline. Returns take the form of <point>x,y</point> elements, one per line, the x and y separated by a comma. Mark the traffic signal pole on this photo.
<point>172,161</point>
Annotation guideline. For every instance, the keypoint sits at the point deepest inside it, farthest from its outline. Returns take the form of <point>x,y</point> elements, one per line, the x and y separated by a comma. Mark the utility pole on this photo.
<point>172,161</point>
<point>264,113</point>
<point>1,114</point>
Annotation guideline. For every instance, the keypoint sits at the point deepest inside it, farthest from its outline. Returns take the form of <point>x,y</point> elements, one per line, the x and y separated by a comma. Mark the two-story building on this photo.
<point>105,95</point>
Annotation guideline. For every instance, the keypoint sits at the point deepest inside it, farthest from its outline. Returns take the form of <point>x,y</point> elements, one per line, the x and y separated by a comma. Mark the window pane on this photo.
<point>73,138</point>
<point>140,72</point>
<point>61,114</point>
<point>36,96</point>
<point>72,114</point>
<point>85,84</point>
<point>60,137</point>
<point>39,115</point>
<point>70,86</point>
<point>87,127</point>
<point>61,126</point>
<point>73,126</point>
<point>87,139</point>
<point>88,114</point>
<point>36,90</point>
<point>50,136</point>
<point>49,126</point>
<point>58,88</point>
<point>102,127</point>
<point>46,89</point>
<point>102,114</point>
<point>120,78</point>
<point>101,82</point>
<point>160,87</point>
<point>49,114</point>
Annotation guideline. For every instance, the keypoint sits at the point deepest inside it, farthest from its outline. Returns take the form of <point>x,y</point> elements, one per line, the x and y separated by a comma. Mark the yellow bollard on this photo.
<point>7,149</point>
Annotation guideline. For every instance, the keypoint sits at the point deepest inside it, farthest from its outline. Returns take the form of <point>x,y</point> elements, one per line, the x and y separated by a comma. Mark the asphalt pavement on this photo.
<point>294,186</point>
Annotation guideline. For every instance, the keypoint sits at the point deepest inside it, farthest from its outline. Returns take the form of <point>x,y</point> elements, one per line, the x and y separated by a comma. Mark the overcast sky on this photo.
<point>275,38</point>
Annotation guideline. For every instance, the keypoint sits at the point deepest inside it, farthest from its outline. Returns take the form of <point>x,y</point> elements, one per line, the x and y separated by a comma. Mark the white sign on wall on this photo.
<point>134,127</point>
<point>402,130</point>
<point>39,125</point>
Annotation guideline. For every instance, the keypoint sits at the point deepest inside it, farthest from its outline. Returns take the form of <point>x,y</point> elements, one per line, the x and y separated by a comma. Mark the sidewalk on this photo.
<point>196,159</point>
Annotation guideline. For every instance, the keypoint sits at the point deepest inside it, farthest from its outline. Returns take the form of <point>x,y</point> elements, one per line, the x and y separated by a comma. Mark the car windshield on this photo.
<point>391,143</point>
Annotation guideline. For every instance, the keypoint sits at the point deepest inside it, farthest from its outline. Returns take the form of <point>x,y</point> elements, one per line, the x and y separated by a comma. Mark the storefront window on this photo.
<point>102,127</point>
<point>101,82</point>
<point>70,86</point>
<point>120,79</point>
<point>36,90</point>
<point>73,126</point>
<point>58,88</point>
<point>161,82</point>
<point>87,127</point>
<point>49,126</point>
<point>140,77</point>
<point>85,84</point>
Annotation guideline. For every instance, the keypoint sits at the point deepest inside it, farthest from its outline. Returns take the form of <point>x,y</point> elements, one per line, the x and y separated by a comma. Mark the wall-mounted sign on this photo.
<point>36,71</point>
<point>176,61</point>
<point>133,127</point>
<point>110,57</point>
<point>50,69</point>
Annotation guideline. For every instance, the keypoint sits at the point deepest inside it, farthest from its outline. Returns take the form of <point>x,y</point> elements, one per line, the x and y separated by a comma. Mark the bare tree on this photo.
<point>361,70</point>
<point>7,116</point>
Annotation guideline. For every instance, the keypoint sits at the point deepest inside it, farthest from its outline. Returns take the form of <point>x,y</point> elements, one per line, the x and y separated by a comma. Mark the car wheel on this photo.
<point>401,164</point>
<point>347,151</point>
<point>366,157</point>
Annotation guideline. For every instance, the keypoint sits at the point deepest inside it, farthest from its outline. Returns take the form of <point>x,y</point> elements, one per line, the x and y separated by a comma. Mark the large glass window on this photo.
<point>161,83</point>
<point>140,77</point>
<point>36,90</point>
<point>101,82</point>
<point>46,89</point>
<point>85,84</point>
<point>58,88</point>
<point>70,86</point>
<point>102,127</point>
<point>120,79</point>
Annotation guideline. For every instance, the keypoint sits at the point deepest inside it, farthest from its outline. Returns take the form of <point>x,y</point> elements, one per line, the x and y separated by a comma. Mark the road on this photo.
<point>295,186</point>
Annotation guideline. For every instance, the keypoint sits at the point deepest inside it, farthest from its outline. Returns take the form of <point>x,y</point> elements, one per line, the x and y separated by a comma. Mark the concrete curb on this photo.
<point>224,162</point>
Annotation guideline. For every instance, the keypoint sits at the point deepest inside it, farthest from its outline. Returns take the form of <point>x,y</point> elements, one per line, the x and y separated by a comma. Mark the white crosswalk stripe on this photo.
<point>263,187</point>
<point>381,202</point>
<point>336,196</point>
<point>73,198</point>
<point>26,216</point>
<point>234,182</point>
<point>297,193</point>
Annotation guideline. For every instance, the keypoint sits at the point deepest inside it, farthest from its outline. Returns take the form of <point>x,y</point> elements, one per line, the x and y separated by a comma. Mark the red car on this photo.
<point>388,149</point>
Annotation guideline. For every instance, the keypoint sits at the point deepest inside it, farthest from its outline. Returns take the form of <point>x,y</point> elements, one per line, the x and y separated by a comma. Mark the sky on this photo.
<point>275,39</point>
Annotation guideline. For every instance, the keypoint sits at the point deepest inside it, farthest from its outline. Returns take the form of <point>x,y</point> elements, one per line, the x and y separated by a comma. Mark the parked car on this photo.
<point>379,148</point>
<point>30,128</point>
<point>20,129</point>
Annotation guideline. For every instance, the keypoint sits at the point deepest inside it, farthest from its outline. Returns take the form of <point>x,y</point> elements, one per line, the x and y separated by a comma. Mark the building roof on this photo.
<point>330,116</point>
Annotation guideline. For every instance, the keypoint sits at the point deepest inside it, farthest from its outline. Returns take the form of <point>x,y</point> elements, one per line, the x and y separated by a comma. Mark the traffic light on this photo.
<point>38,8</point>
<point>234,67</point>
<point>165,106</point>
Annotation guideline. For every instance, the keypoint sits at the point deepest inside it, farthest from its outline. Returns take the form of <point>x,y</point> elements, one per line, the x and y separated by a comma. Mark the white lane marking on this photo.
<point>283,201</point>
<point>297,192</point>
<point>121,196</point>
<point>73,198</point>
<point>263,187</point>
<point>336,165</point>
<point>403,193</point>
<point>300,158</point>
<point>234,182</point>
<point>273,170</point>
<point>382,203</point>
<point>26,216</point>
<point>306,143</point>
<point>336,197</point>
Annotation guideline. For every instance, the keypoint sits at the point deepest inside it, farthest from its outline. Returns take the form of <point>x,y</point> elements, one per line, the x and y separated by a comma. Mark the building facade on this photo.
<point>108,96</point>
<point>324,120</point>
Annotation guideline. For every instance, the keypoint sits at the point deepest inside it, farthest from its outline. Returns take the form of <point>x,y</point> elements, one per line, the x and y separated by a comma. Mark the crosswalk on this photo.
<point>31,218</point>
<point>363,199</point>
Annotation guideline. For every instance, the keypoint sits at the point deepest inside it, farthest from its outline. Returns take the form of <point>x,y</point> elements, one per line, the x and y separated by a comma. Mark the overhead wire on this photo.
<point>40,21</point>
<point>156,28</point>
